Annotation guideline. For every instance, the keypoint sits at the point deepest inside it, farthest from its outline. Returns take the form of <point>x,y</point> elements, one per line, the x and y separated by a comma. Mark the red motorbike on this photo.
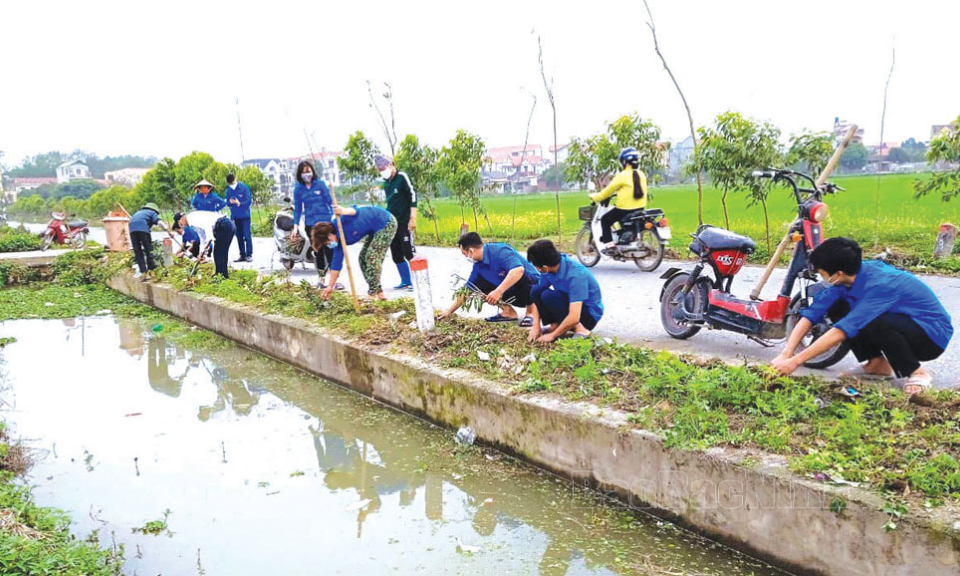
<point>60,231</point>
<point>692,300</point>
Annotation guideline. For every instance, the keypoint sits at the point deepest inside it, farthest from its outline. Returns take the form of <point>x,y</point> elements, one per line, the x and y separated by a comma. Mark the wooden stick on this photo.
<point>346,257</point>
<point>827,170</point>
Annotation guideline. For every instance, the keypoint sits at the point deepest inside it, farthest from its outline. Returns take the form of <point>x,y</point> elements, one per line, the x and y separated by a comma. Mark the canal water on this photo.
<point>261,469</point>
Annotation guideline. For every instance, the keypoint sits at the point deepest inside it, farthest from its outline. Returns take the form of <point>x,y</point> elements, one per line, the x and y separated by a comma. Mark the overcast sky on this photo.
<point>162,78</point>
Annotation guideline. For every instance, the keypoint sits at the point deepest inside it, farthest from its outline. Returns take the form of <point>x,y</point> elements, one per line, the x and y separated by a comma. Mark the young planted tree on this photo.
<point>458,168</point>
<point>523,155</point>
<point>389,128</point>
<point>731,150</point>
<point>357,163</point>
<point>944,150</point>
<point>693,132</point>
<point>595,159</point>
<point>191,169</point>
<point>419,162</point>
<point>810,151</point>
<point>548,87</point>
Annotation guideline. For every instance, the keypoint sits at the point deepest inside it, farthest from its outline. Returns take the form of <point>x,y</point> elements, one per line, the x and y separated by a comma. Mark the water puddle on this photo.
<point>266,470</point>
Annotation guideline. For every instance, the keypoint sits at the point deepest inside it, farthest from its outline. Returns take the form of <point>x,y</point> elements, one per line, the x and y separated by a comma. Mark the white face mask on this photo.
<point>386,173</point>
<point>307,176</point>
<point>833,281</point>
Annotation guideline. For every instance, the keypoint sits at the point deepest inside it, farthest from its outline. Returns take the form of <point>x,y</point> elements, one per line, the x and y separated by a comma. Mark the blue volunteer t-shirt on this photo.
<point>191,234</point>
<point>880,288</point>
<point>574,280</point>
<point>367,221</point>
<point>499,259</point>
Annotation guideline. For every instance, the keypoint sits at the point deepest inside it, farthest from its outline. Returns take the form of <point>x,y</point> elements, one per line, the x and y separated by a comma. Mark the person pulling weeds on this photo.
<point>140,224</point>
<point>892,320</point>
<point>216,228</point>
<point>567,297</point>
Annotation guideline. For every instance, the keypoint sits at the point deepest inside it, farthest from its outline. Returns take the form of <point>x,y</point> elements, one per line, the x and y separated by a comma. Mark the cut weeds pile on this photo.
<point>903,447</point>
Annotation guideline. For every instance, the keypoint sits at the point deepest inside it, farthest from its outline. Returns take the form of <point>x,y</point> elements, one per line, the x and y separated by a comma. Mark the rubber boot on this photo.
<point>404,269</point>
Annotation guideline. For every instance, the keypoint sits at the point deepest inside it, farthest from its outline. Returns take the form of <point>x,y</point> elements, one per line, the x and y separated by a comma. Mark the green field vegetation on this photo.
<point>17,239</point>
<point>907,225</point>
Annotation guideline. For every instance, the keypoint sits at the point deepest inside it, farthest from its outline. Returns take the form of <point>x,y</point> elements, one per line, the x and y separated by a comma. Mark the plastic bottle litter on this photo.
<point>466,436</point>
<point>157,327</point>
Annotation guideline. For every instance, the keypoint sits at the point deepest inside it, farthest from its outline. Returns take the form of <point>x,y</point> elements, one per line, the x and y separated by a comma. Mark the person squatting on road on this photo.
<point>567,297</point>
<point>630,187</point>
<point>216,228</point>
<point>313,201</point>
<point>239,199</point>
<point>502,274</point>
<point>375,226</point>
<point>140,224</point>
<point>206,199</point>
<point>402,203</point>
<point>892,319</point>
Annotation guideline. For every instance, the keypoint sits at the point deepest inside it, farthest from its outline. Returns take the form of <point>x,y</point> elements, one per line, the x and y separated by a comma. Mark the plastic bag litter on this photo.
<point>466,436</point>
<point>483,356</point>
<point>466,547</point>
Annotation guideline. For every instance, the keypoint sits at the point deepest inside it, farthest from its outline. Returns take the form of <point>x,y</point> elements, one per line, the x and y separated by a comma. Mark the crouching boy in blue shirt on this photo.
<point>894,321</point>
<point>502,274</point>
<point>567,297</point>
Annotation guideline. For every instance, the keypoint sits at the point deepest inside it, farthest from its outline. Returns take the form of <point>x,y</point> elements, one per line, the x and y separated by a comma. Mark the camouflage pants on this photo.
<point>373,252</point>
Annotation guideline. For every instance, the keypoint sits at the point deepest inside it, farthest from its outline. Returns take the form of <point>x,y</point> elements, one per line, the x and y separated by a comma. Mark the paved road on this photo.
<point>631,299</point>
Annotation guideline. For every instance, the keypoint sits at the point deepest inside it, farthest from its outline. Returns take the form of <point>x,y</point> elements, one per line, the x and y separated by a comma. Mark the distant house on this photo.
<point>563,151</point>
<point>72,170</point>
<point>841,127</point>
<point>679,155</point>
<point>126,176</point>
<point>21,184</point>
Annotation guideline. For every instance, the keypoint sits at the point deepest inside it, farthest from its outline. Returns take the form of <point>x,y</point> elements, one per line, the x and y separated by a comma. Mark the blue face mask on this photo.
<point>333,245</point>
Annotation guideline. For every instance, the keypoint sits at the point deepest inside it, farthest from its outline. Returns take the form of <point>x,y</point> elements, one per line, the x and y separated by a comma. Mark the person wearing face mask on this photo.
<point>894,321</point>
<point>372,224</point>
<point>239,199</point>
<point>402,203</point>
<point>313,202</point>
<point>206,199</point>
<point>502,274</point>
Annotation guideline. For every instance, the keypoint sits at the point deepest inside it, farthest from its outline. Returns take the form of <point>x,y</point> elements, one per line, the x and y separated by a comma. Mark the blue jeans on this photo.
<point>244,238</point>
<point>554,306</point>
<point>223,231</point>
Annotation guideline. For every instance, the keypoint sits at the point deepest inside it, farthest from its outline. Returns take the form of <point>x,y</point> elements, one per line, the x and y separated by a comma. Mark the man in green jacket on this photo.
<point>402,203</point>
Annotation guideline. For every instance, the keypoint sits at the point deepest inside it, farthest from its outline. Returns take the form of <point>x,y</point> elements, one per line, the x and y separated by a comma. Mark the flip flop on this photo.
<point>526,322</point>
<point>917,384</point>
<point>499,318</point>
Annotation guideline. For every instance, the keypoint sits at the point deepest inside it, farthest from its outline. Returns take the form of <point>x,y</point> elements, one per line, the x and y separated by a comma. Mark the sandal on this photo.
<point>917,384</point>
<point>499,318</point>
<point>526,322</point>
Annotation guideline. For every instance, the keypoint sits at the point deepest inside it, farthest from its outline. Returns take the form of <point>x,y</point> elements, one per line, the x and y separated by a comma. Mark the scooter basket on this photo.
<point>587,212</point>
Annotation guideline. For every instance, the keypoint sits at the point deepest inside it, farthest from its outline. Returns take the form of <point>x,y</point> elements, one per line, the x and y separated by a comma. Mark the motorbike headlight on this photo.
<point>818,212</point>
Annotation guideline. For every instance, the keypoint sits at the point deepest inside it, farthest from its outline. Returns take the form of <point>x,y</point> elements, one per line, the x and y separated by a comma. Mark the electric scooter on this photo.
<point>691,300</point>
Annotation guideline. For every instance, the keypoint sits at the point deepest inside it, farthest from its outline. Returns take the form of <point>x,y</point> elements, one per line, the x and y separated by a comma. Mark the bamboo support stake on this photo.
<point>346,257</point>
<point>827,170</point>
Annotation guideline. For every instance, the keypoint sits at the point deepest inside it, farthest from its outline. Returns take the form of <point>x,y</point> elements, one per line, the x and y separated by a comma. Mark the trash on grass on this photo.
<point>466,436</point>
<point>483,356</point>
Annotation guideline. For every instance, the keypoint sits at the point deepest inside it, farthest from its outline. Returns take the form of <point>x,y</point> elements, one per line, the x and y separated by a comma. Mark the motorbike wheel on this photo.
<point>46,240</point>
<point>587,252</point>
<point>654,249</point>
<point>828,358</point>
<point>78,241</point>
<point>680,329</point>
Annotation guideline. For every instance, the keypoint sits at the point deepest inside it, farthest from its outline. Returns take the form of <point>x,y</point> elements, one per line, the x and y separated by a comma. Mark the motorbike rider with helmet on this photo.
<point>630,187</point>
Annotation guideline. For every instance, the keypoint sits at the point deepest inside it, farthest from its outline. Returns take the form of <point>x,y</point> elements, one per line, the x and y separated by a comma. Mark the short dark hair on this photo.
<point>176,221</point>
<point>837,255</point>
<point>300,168</point>
<point>320,235</point>
<point>231,177</point>
<point>543,253</point>
<point>470,240</point>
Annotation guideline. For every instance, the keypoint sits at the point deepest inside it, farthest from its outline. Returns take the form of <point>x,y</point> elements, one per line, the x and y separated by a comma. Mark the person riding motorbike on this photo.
<point>630,187</point>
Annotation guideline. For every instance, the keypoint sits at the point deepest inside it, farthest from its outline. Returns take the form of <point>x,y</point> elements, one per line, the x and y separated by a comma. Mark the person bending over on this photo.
<point>502,274</point>
<point>894,322</point>
<point>372,224</point>
<point>630,187</point>
<point>567,297</point>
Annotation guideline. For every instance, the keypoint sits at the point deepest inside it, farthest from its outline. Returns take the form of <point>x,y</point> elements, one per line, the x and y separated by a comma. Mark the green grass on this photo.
<point>17,239</point>
<point>907,225</point>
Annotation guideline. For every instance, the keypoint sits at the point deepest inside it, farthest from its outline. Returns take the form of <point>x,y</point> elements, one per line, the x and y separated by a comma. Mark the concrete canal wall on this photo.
<point>761,510</point>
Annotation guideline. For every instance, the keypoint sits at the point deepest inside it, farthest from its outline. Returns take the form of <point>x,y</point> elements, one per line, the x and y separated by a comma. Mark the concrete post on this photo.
<point>422,297</point>
<point>945,241</point>
<point>167,252</point>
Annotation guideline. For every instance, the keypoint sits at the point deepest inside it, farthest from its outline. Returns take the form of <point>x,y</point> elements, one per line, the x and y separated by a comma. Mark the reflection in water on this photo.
<point>317,476</point>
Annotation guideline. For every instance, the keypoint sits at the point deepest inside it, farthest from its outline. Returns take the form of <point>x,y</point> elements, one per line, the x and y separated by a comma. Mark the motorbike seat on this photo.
<point>719,239</point>
<point>78,224</point>
<point>284,222</point>
<point>641,216</point>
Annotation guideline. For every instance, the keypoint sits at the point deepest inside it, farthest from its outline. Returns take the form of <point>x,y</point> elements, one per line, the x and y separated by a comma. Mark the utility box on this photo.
<point>116,225</point>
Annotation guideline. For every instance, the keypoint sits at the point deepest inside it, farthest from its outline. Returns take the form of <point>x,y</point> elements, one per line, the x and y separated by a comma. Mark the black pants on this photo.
<point>554,306</point>
<point>244,237</point>
<point>401,248</point>
<point>223,233</point>
<point>322,259</point>
<point>143,251</point>
<point>607,220</point>
<point>519,292</point>
<point>898,339</point>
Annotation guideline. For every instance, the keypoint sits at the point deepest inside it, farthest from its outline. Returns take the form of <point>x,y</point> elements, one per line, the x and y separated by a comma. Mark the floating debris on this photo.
<point>466,436</point>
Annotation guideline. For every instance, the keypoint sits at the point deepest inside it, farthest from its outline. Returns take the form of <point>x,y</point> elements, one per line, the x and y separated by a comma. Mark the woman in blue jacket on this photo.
<point>372,224</point>
<point>312,200</point>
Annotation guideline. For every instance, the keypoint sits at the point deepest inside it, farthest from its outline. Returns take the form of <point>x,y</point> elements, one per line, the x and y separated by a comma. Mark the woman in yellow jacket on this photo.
<point>630,187</point>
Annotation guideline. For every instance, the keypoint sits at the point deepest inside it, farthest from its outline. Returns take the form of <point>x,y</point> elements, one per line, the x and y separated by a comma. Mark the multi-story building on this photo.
<point>72,170</point>
<point>126,176</point>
